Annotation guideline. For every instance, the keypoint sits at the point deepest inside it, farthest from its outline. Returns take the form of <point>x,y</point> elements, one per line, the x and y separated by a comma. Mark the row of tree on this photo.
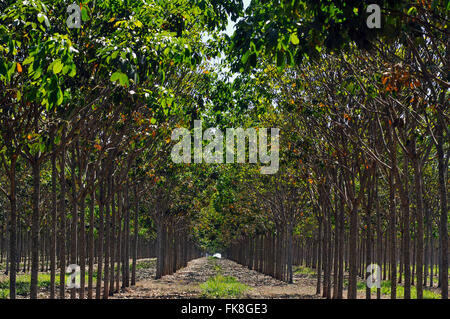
<point>85,122</point>
<point>365,152</point>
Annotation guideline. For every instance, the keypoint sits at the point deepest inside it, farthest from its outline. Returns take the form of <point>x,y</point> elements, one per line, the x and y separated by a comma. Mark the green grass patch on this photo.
<point>223,287</point>
<point>302,270</point>
<point>23,280</point>
<point>23,284</point>
<point>147,264</point>
<point>386,290</point>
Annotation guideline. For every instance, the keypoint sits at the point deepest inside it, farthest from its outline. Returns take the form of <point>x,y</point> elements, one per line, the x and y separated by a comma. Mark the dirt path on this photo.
<point>185,282</point>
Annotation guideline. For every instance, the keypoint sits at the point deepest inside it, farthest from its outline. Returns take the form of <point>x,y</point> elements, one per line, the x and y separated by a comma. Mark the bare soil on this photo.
<point>185,283</point>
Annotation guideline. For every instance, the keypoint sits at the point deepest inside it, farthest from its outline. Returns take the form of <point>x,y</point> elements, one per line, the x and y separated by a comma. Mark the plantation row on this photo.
<point>87,116</point>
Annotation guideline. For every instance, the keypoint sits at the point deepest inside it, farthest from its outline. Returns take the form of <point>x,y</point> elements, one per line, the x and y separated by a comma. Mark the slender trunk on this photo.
<point>53,232</point>
<point>62,216</point>
<point>379,233</point>
<point>443,206</point>
<point>119,236</point>
<point>336,247</point>
<point>392,232</point>
<point>113,233</point>
<point>136,233</point>
<point>100,233</point>
<point>107,235</point>
<point>73,237</point>
<point>353,266</point>
<point>406,232</point>
<point>13,231</point>
<point>319,256</point>
<point>35,229</point>
<point>341,248</point>
<point>419,218</point>
<point>290,252</point>
<point>91,240</point>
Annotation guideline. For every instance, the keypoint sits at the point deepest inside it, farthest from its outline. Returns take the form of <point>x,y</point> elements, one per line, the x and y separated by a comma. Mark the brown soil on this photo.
<point>185,283</point>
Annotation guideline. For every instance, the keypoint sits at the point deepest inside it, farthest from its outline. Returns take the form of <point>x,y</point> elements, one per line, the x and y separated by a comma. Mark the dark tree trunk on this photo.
<point>319,256</point>
<point>53,232</point>
<point>419,218</point>
<point>353,266</point>
<point>113,233</point>
<point>74,231</point>
<point>442,168</point>
<point>392,232</point>
<point>107,233</point>
<point>35,229</point>
<point>100,233</point>
<point>62,216</point>
<point>136,233</point>
<point>12,231</point>
<point>91,239</point>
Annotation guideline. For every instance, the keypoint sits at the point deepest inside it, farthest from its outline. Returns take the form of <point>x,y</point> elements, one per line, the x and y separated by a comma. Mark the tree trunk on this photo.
<point>53,231</point>
<point>443,206</point>
<point>13,230</point>
<point>107,233</point>
<point>136,233</point>
<point>100,233</point>
<point>353,267</point>
<point>62,216</point>
<point>419,218</point>
<point>73,237</point>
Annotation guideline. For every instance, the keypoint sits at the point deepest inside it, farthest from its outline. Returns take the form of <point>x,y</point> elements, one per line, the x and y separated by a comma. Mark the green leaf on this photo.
<point>294,39</point>
<point>41,147</point>
<point>115,76</point>
<point>123,79</point>
<point>245,57</point>
<point>57,66</point>
<point>60,96</point>
<point>84,14</point>
<point>73,71</point>
<point>412,11</point>
<point>40,17</point>
<point>28,60</point>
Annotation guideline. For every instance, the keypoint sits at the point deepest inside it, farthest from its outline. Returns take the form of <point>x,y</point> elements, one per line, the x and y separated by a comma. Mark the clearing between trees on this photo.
<point>186,282</point>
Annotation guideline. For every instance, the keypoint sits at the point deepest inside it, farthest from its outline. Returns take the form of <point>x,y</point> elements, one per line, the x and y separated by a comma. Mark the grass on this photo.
<point>23,280</point>
<point>223,287</point>
<point>302,270</point>
<point>385,286</point>
<point>386,290</point>
<point>23,284</point>
<point>147,264</point>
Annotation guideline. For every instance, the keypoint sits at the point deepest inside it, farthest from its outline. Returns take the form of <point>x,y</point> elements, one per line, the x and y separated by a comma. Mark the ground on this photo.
<point>185,283</point>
